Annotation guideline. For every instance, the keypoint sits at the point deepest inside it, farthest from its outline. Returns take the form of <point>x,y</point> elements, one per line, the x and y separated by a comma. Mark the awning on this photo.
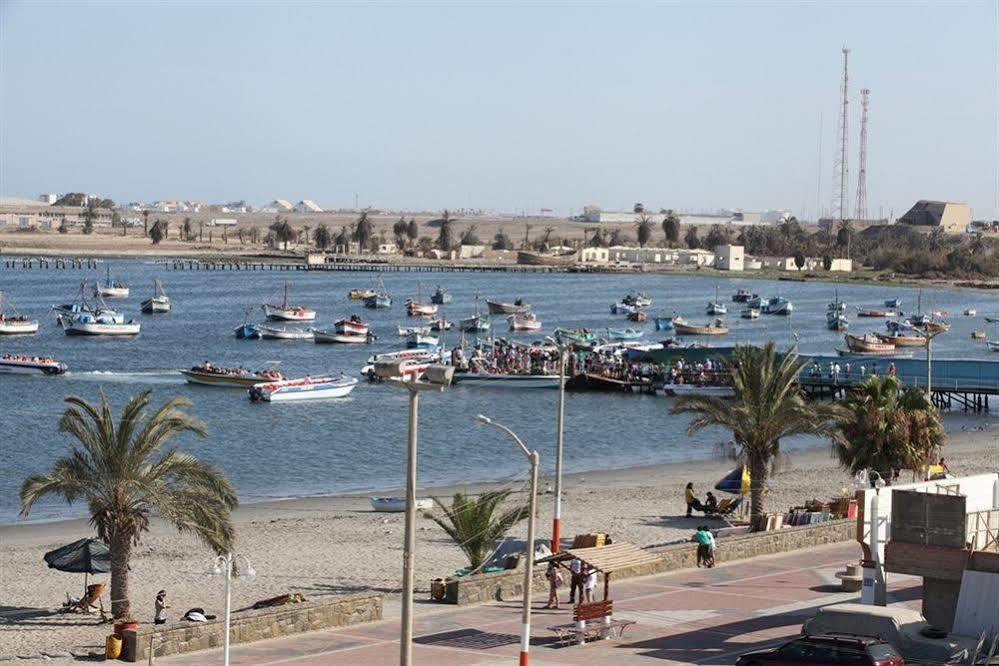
<point>88,556</point>
<point>607,559</point>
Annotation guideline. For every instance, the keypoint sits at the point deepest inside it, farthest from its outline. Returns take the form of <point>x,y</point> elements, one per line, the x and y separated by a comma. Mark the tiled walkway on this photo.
<point>697,616</point>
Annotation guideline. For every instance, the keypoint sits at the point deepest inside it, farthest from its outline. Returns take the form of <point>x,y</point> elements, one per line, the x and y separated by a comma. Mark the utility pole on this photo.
<point>860,210</point>
<point>841,162</point>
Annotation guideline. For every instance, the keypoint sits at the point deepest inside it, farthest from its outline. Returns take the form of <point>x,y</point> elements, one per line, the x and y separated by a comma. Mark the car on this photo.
<point>825,650</point>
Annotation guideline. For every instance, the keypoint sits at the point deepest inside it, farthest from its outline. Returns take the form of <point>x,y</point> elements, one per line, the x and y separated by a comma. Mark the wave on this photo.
<point>136,376</point>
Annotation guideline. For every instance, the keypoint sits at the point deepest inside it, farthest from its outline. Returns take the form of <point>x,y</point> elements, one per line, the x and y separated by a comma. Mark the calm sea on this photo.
<point>358,443</point>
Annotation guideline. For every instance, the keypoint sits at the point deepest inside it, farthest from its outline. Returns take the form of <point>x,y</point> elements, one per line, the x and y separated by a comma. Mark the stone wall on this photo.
<point>509,584</point>
<point>256,625</point>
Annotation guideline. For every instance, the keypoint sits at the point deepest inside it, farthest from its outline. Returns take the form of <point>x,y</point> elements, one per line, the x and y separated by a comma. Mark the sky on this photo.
<point>510,106</point>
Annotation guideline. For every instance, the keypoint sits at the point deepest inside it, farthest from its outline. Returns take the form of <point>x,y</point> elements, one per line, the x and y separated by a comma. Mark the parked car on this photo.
<point>904,628</point>
<point>827,650</point>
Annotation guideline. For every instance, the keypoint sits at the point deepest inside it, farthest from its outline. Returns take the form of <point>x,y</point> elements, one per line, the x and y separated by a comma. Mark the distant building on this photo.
<point>277,206</point>
<point>594,255</point>
<point>471,251</point>
<point>387,248</point>
<point>952,218</point>
<point>48,199</point>
<point>223,222</point>
<point>730,257</point>
<point>307,206</point>
<point>593,213</point>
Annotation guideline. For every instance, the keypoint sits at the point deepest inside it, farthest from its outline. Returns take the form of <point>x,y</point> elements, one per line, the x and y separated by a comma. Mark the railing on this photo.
<point>983,530</point>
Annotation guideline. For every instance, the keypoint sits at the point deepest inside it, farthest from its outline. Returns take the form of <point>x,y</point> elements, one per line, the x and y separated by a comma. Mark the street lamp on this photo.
<point>438,378</point>
<point>223,565</point>
<point>532,456</point>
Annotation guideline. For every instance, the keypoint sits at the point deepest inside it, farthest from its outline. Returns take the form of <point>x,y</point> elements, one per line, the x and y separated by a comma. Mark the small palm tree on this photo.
<point>766,408</point>
<point>121,470</point>
<point>888,428</point>
<point>474,525</point>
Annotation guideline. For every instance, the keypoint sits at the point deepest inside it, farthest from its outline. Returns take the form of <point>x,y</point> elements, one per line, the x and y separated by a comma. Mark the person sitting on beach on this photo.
<point>710,503</point>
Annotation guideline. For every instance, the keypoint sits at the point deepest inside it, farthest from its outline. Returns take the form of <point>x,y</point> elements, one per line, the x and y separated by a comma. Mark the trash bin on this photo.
<point>112,648</point>
<point>437,589</point>
<point>129,645</point>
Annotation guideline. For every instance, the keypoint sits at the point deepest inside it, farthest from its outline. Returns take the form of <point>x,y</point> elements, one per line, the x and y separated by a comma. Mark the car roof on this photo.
<point>842,638</point>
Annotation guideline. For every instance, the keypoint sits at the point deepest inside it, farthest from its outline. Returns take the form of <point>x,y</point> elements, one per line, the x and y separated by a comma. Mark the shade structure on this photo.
<point>87,556</point>
<point>735,482</point>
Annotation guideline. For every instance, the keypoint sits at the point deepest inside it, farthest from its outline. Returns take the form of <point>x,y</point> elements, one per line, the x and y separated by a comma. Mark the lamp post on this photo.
<point>223,565</point>
<point>532,456</point>
<point>438,378</point>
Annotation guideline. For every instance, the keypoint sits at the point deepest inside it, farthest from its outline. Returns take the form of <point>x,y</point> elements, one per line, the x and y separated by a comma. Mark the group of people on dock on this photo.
<point>507,358</point>
<point>846,372</point>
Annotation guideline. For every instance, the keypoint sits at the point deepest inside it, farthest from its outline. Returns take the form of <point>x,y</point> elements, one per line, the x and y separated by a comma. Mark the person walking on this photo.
<point>554,577</point>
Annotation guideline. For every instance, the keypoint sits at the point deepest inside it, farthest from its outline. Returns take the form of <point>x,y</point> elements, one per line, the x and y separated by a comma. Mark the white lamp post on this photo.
<point>438,378</point>
<point>223,565</point>
<point>532,456</point>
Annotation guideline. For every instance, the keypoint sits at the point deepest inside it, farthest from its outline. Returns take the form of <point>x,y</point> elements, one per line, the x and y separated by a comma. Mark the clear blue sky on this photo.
<point>496,105</point>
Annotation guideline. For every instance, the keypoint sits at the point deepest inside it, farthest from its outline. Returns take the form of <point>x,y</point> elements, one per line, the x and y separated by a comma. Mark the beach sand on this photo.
<point>337,545</point>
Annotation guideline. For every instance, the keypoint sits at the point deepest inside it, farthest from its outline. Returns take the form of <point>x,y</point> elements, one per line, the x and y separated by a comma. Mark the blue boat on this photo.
<point>440,297</point>
<point>247,331</point>
<point>756,301</point>
<point>777,306</point>
<point>664,324</point>
<point>625,334</point>
<point>622,308</point>
<point>379,300</point>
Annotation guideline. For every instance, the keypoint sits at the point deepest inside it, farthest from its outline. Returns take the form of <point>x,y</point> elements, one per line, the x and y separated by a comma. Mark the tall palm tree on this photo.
<point>474,525</point>
<point>125,472</point>
<point>766,408</point>
<point>888,427</point>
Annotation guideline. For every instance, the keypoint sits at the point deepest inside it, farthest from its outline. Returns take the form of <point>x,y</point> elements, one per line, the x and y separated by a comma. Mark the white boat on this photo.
<point>421,341</point>
<point>716,307</point>
<point>993,345</point>
<point>209,375</point>
<point>352,326</point>
<point>306,388</point>
<point>287,312</point>
<point>405,331</point>
<point>398,504</point>
<point>111,288</point>
<point>159,302</point>
<point>777,306</point>
<point>637,299</point>
<point>15,323</point>
<point>506,380</point>
<point>430,355</point>
<point>285,333</point>
<point>477,323</point>
<point>13,364</point>
<point>749,313</point>
<point>332,337</point>
<point>524,322</point>
<point>89,324</point>
<point>416,307</point>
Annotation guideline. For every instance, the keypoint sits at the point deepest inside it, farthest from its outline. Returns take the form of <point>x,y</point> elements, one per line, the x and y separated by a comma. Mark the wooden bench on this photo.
<point>594,615</point>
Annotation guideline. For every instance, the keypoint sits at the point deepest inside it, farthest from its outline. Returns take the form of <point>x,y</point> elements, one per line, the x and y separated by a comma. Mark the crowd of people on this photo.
<point>847,372</point>
<point>27,359</point>
<point>209,368</point>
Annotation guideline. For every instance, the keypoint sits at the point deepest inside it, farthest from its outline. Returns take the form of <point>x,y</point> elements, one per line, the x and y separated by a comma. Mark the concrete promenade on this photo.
<point>699,616</point>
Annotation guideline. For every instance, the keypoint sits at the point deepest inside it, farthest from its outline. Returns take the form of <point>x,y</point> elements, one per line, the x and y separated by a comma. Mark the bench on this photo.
<point>597,623</point>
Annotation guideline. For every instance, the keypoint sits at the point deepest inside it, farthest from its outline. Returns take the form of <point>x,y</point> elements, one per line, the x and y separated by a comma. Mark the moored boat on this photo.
<point>900,339</point>
<point>360,294</point>
<point>268,332</point>
<point>637,299</point>
<point>624,334</point>
<point>970,313</point>
<point>352,326</point>
<point>13,322</point>
<point>429,355</point>
<point>87,323</point>
<point>247,331</point>
<point>622,308</point>
<point>404,331</point>
<point>714,328</point>
<point>756,301</point>
<point>16,364</point>
<point>334,337</point>
<point>716,307</point>
<point>836,321</point>
<point>417,309</point>
<point>749,313</point>
<point>159,302</point>
<point>993,345</point>
<point>742,296</point>
<point>638,316</point>
<point>441,325</point>
<point>286,311</point>
<point>421,341</point>
<point>978,335</point>
<point>524,322</point>
<point>111,288</point>
<point>208,374</point>
<point>867,343</point>
<point>893,303</point>
<point>499,307</point>
<point>668,323</point>
<point>305,388</point>
<point>874,312</point>
<point>777,306</point>
<point>398,504</point>
<point>477,323</point>
<point>440,297</point>
<point>574,336</point>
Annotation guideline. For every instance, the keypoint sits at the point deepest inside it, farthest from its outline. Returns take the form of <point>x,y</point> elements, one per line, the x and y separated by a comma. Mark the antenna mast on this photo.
<point>841,167</point>
<point>860,210</point>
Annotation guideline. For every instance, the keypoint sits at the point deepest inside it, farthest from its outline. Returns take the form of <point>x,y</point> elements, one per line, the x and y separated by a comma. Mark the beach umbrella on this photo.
<point>86,556</point>
<point>735,482</point>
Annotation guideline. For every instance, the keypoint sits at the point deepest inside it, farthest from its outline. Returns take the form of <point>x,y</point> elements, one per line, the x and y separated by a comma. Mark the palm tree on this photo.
<point>644,230</point>
<point>124,474</point>
<point>474,525</point>
<point>767,407</point>
<point>888,427</point>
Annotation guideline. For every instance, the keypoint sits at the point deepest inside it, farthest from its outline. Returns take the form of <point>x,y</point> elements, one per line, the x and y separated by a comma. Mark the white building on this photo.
<point>277,206</point>
<point>307,206</point>
<point>730,257</point>
<point>387,248</point>
<point>471,251</point>
<point>48,199</point>
<point>594,255</point>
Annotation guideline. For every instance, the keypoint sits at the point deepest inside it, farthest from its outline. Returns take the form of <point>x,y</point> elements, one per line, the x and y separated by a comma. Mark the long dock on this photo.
<point>243,264</point>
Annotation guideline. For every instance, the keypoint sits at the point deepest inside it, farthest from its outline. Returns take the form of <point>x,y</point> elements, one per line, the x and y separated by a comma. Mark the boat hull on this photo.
<point>9,327</point>
<point>247,332</point>
<point>75,327</point>
<point>325,337</point>
<point>15,367</point>
<point>298,389</point>
<point>496,307</point>
<point>275,313</point>
<point>227,381</point>
<point>378,301</point>
<point>398,504</point>
<point>156,305</point>
<point>112,292</point>
<point>270,333</point>
<point>686,329</point>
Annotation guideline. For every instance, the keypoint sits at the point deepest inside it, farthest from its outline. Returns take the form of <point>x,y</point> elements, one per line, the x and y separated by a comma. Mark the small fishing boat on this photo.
<point>777,306</point>
<point>306,388</point>
<point>836,321</point>
<point>993,345</point>
<point>286,311</point>
<point>893,303</point>
<point>83,306</point>
<point>441,325</point>
<point>875,312</point>
<point>87,323</point>
<point>398,504</point>
<point>668,323</point>
<point>638,316</point>
<point>111,288</point>
<point>15,364</point>
<point>247,331</point>
<point>504,380</point>
<point>756,301</point>
<point>978,335</point>
<point>743,296</point>
<point>524,322</point>
<point>421,341</point>
<point>900,339</point>
<point>477,323</point>
<point>574,336</point>
<point>268,332</point>
<point>416,307</point>
<point>351,326</point>
<point>360,294</point>
<point>212,375</point>
<point>868,343</point>
<point>13,322</point>
<point>714,328</point>
<point>970,313</point>
<point>440,297</point>
<point>517,307</point>
<point>334,337</point>
<point>622,308</point>
<point>378,301</point>
<point>159,302</point>
<point>637,299</point>
<point>404,331</point>
<point>428,355</point>
<point>624,334</point>
<point>749,313</point>
<point>933,326</point>
<point>716,307</point>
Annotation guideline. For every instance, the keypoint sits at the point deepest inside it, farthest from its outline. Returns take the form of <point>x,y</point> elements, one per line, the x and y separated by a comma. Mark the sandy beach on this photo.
<point>336,545</point>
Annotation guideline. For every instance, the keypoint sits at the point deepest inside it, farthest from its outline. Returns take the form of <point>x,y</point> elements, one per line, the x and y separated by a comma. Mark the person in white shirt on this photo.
<point>576,582</point>
<point>591,583</point>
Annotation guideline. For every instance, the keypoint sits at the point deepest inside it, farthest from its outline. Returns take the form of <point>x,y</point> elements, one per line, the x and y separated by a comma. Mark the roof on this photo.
<point>309,204</point>
<point>926,212</point>
<point>607,559</point>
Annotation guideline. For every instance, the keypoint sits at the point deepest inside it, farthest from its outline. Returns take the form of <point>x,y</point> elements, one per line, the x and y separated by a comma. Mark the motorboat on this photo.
<point>637,299</point>
<point>742,296</point>
<point>268,332</point>
<point>868,343</point>
<point>15,364</point>
<point>900,339</point>
<point>524,322</point>
<point>714,328</point>
<point>211,375</point>
<point>286,311</point>
<point>335,337</point>
<point>111,288</point>
<point>836,321</point>
<point>750,313</point>
<point>13,322</point>
<point>506,380</point>
<point>360,294</point>
<point>777,306</point>
<point>517,307</point>
<point>440,297</point>
<point>398,504</point>
<point>421,341</point>
<point>87,323</point>
<point>305,388</point>
<point>159,302</point>
<point>622,308</point>
<point>624,334</point>
<point>441,325</point>
<point>352,326</point>
<point>638,316</point>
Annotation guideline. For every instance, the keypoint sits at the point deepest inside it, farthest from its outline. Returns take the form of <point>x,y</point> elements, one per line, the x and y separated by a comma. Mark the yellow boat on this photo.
<point>360,294</point>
